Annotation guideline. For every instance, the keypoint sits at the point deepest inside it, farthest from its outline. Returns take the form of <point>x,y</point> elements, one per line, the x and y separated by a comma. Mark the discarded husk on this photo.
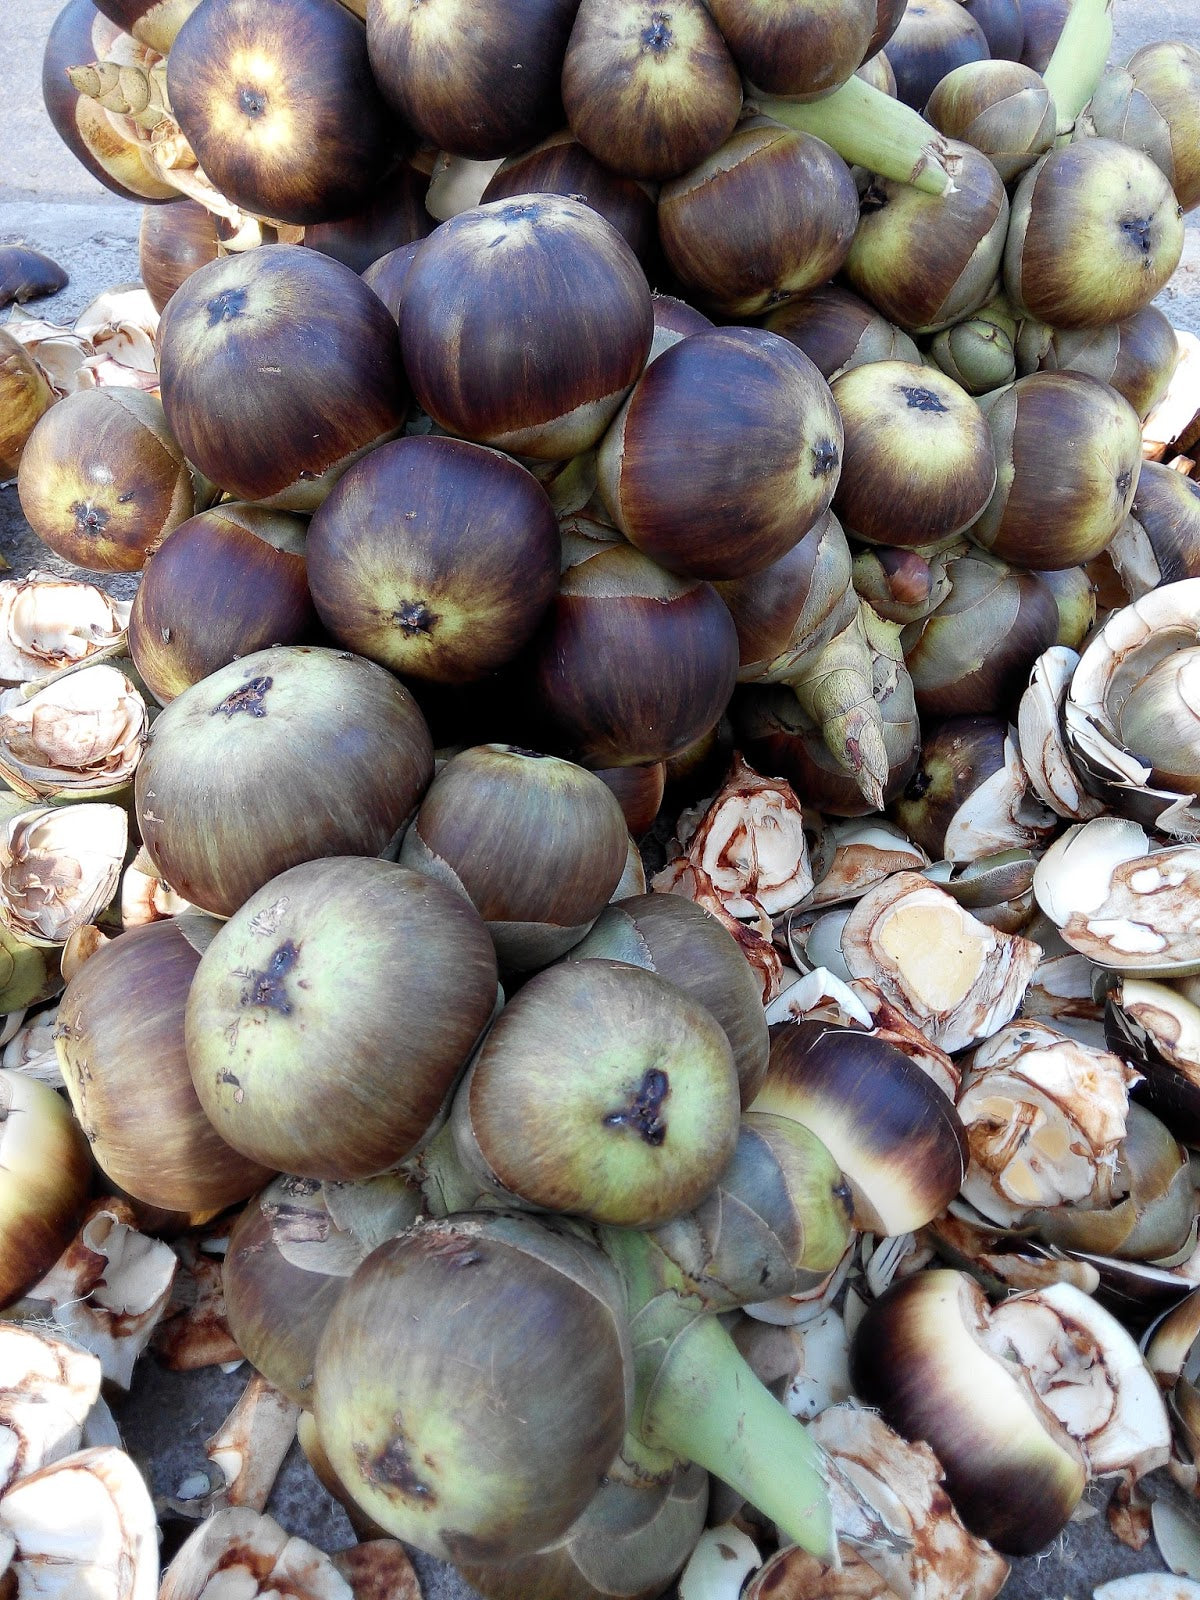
<point>683,877</point>
<point>866,851</point>
<point>31,1049</point>
<point>59,868</point>
<point>1156,1026</point>
<point>1044,750</point>
<point>818,996</point>
<point>1128,715</point>
<point>456,184</point>
<point>194,1331</point>
<point>146,896</point>
<point>83,1526</point>
<point>1147,1586</point>
<point>792,1574</point>
<point>251,1443</point>
<point>1044,1116</point>
<point>1001,1259</point>
<point>1090,1373</point>
<point>378,1569</point>
<point>49,1388</point>
<point>29,973</point>
<point>80,736</point>
<point>807,1365</point>
<point>249,1555</point>
<point>750,842</point>
<point>27,274</point>
<point>109,1288</point>
<point>928,1356</point>
<point>82,944</point>
<point>1178,1538</point>
<point>47,622</point>
<point>718,1567</point>
<point>996,889</point>
<point>949,973</point>
<point>1173,420</point>
<point>1152,1213</point>
<point>937,1558</point>
<point>1120,902</point>
<point>896,1137</point>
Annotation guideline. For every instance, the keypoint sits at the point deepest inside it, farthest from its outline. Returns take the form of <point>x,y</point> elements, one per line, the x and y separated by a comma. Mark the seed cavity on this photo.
<point>249,698</point>
<point>267,987</point>
<point>643,1114</point>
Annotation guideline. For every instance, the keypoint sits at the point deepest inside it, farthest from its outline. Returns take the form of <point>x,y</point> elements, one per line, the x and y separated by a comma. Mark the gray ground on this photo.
<point>48,201</point>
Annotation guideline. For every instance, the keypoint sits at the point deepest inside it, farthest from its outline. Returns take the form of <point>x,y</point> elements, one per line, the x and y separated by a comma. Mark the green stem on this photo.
<point>1080,56</point>
<point>707,1406</point>
<point>697,1399</point>
<point>869,129</point>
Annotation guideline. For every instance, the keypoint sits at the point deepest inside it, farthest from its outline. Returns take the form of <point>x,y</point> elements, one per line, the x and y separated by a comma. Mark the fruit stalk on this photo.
<point>1074,71</point>
<point>868,128</point>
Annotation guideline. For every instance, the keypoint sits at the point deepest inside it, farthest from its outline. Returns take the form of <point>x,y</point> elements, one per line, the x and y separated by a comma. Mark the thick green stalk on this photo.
<point>870,129</point>
<point>697,1398</point>
<point>1074,71</point>
<point>836,688</point>
<point>708,1406</point>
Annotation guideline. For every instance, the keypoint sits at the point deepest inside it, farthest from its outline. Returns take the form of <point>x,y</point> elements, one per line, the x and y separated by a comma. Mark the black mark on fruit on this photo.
<point>249,698</point>
<point>252,101</point>
<point>267,987</point>
<point>393,1468</point>
<point>227,305</point>
<point>657,36</point>
<point>1124,483</point>
<point>89,518</point>
<point>414,617</point>
<point>825,458</point>
<point>1137,232</point>
<point>921,399</point>
<point>644,1112</point>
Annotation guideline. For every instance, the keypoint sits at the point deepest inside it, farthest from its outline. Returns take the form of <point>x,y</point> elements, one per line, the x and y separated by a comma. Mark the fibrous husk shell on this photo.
<point>949,973</point>
<point>1044,1115</point>
<point>49,1388</point>
<point>1121,901</point>
<point>83,1529</point>
<point>249,1555</point>
<point>1134,685</point>
<point>109,1288</point>
<point>80,736</point>
<point>59,869</point>
<point>1090,1373</point>
<point>31,1048</point>
<point>866,851</point>
<point>750,841</point>
<point>48,622</point>
<point>903,1482</point>
<point>146,896</point>
<point>1044,752</point>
